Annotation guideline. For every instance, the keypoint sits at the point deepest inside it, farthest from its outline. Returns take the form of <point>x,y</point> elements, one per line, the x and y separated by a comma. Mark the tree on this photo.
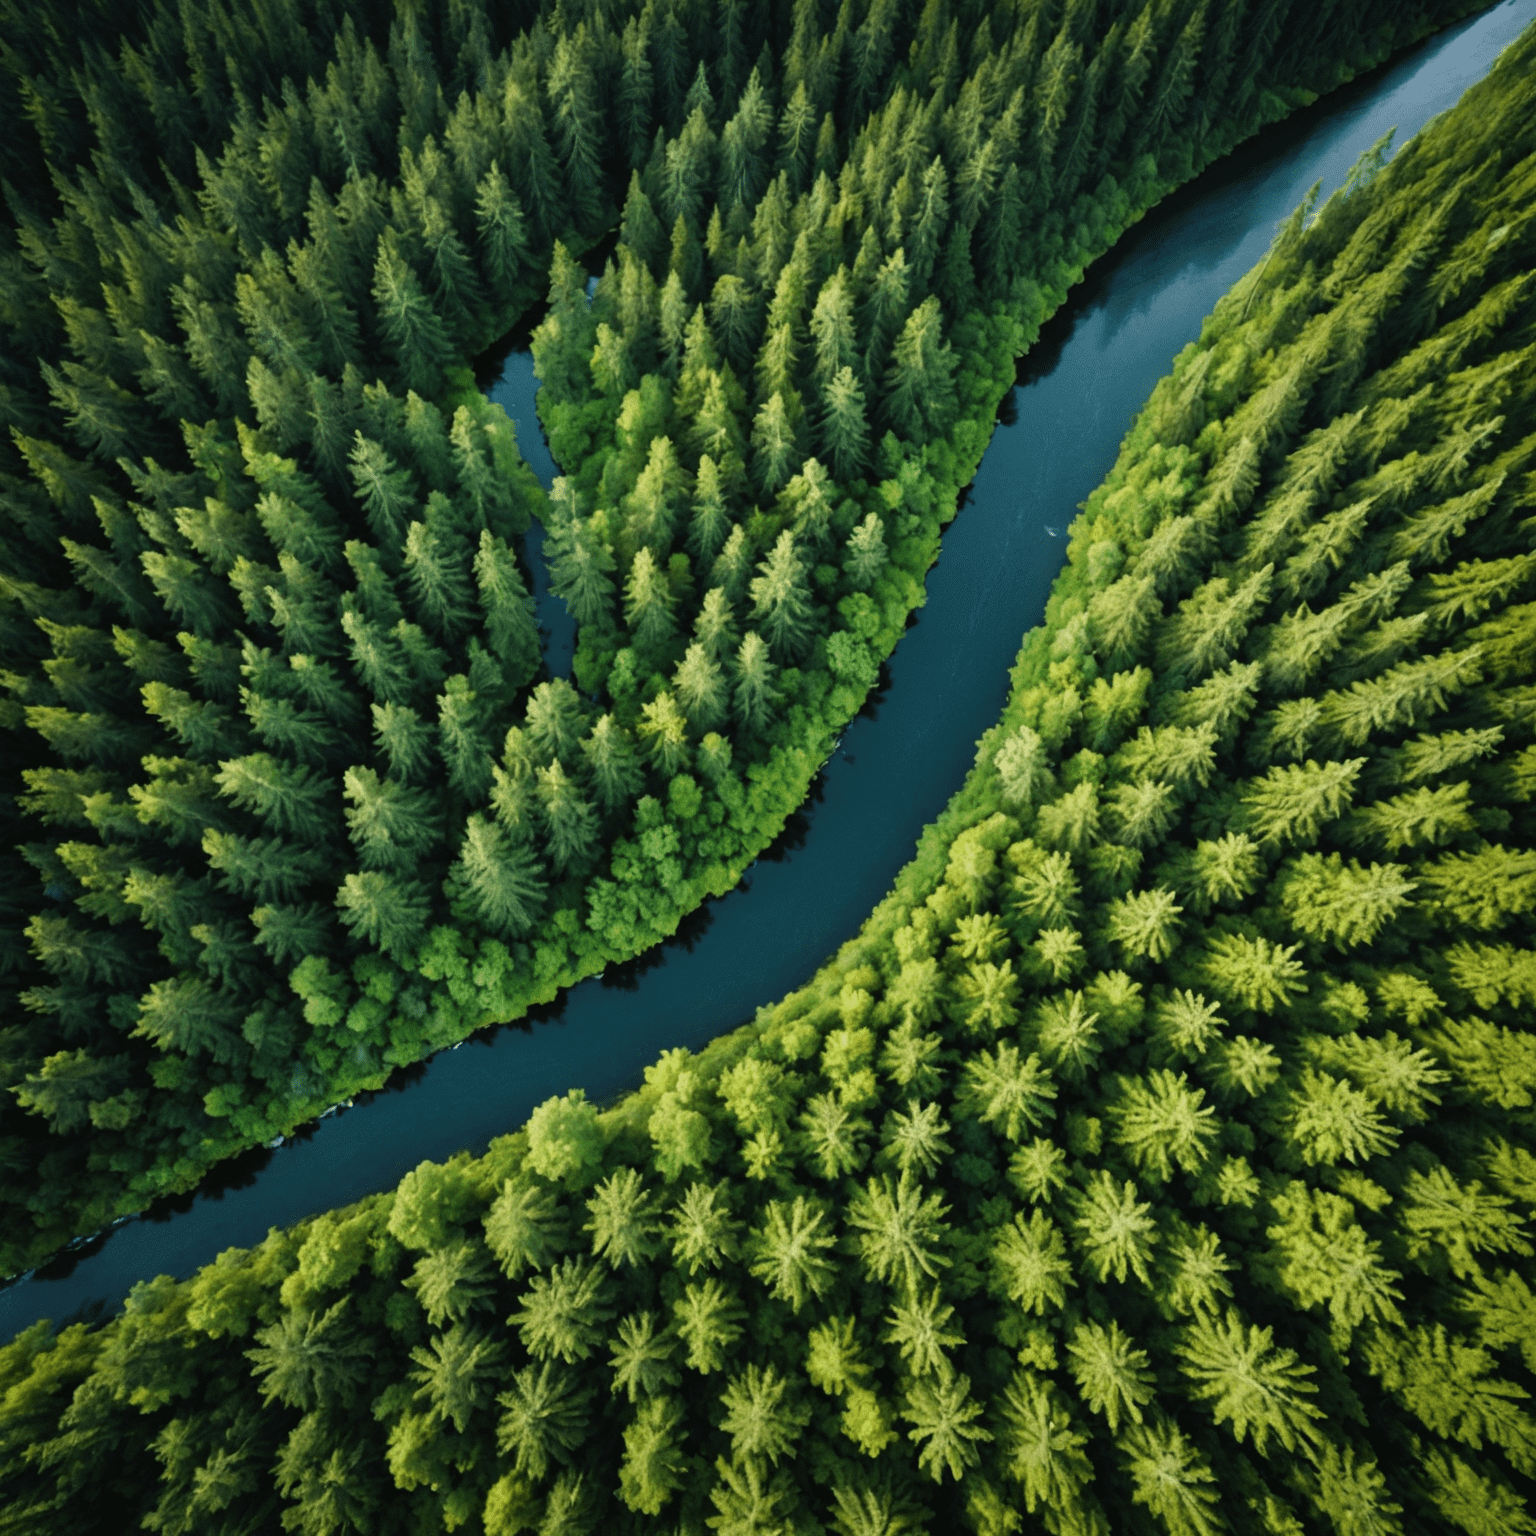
<point>844,426</point>
<point>710,523</point>
<point>303,1360</point>
<point>418,337</point>
<point>762,1415</point>
<point>388,912</point>
<point>391,825</point>
<point>782,600</point>
<point>565,1139</point>
<point>1171,1478</point>
<point>1321,1255</point>
<point>1326,898</point>
<point>1160,1121</point>
<point>504,246</point>
<point>656,500</point>
<point>999,1089</point>
<point>786,1253</point>
<point>918,1331</point>
<point>920,396</point>
<point>834,1360</point>
<point>569,820</point>
<point>612,768</point>
<point>525,1228</point>
<point>288,797</point>
<point>69,1085</point>
<point>899,1230</point>
<point>916,1140</point>
<point>1116,1233</point>
<point>832,328</point>
<point>511,627</point>
<point>748,1498</point>
<point>452,1281</point>
<point>581,574</point>
<point>866,555</point>
<point>544,1418</point>
<point>665,727</point>
<point>1111,1373</point>
<point>700,688</point>
<point>624,1224</point>
<point>943,1414</point>
<point>1042,1445</point>
<point>437,571</point>
<point>1461,1219</point>
<point>707,1318</point>
<point>703,1232</point>
<point>834,1135</point>
<point>1031,1264</point>
<point>501,877</point>
<point>1252,972</point>
<point>1328,1121</point>
<point>743,145</point>
<point>715,627</point>
<point>1293,803</point>
<point>648,604</point>
<point>456,1373</point>
<point>1257,1389</point>
<point>642,1358</point>
<point>654,1465</point>
<point>754,694</point>
<point>563,1313</point>
<point>775,444</point>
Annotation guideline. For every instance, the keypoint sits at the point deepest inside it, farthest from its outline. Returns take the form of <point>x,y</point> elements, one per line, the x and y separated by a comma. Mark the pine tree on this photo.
<point>754,693</point>
<point>416,333</point>
<point>919,384</point>
<point>612,767</point>
<point>844,428</point>
<point>502,878</point>
<point>388,912</point>
<point>544,1418</point>
<point>700,688</point>
<point>781,598</point>
<point>707,1317</point>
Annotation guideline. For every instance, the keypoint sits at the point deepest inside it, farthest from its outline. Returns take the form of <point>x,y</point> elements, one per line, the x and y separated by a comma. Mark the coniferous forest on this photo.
<point>1160,1156</point>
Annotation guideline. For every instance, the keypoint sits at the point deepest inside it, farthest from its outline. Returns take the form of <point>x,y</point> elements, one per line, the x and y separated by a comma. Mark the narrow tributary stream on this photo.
<point>1078,390</point>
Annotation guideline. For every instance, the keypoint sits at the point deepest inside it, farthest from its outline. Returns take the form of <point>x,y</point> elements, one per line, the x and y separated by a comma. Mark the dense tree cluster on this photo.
<point>1159,1158</point>
<point>291,806</point>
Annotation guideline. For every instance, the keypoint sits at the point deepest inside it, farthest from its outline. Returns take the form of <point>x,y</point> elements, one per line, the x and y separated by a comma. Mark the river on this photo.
<point>1058,433</point>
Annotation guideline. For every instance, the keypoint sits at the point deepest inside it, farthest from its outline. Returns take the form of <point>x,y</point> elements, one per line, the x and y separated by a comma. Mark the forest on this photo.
<point>289,799</point>
<point>1158,1158</point>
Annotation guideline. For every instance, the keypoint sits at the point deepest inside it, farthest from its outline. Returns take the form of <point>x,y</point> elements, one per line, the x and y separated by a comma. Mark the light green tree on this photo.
<point>900,1230</point>
<point>544,1418</point>
<point>1111,1373</point>
<point>917,1329</point>
<point>654,1465</point>
<point>763,1414</point>
<point>788,1252</point>
<point>641,1358</point>
<point>708,1319</point>
<point>1257,1389</point>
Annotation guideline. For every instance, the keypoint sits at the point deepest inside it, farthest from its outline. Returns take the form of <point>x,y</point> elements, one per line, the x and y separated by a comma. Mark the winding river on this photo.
<point>1058,433</point>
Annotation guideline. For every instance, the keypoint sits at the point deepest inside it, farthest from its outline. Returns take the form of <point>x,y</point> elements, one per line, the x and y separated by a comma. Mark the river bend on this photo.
<point>1059,430</point>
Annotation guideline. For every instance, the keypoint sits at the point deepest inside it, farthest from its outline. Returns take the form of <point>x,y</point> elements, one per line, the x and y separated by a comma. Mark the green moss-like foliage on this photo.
<point>1160,1155</point>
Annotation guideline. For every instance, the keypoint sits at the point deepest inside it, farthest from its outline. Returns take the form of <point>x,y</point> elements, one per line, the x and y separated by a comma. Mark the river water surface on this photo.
<point>1059,431</point>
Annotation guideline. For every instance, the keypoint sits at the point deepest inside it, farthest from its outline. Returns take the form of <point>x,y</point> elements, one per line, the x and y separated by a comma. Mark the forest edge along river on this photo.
<point>897,764</point>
